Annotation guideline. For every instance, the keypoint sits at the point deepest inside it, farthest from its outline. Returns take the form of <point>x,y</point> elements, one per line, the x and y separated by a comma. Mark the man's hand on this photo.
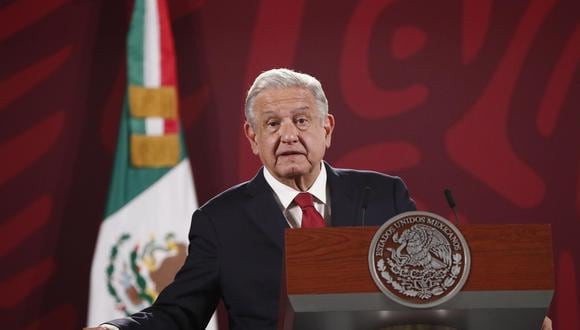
<point>547,325</point>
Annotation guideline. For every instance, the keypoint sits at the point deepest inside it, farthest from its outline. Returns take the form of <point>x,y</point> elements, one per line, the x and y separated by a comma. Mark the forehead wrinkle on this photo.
<point>301,109</point>
<point>276,96</point>
<point>283,103</point>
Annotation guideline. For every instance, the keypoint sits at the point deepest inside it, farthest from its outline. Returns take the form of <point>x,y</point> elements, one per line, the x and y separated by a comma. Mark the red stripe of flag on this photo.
<point>167,52</point>
<point>170,126</point>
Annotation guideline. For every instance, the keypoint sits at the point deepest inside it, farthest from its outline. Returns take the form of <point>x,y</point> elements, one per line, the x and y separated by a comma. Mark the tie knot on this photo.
<point>303,200</point>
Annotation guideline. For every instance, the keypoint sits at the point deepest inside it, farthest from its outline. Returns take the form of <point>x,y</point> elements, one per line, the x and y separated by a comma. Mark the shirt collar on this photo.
<point>287,194</point>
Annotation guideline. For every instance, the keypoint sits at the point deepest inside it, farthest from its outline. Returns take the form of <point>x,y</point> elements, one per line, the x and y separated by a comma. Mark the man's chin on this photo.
<point>292,171</point>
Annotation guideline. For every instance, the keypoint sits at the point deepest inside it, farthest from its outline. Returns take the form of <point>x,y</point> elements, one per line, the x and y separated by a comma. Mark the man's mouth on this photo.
<point>289,153</point>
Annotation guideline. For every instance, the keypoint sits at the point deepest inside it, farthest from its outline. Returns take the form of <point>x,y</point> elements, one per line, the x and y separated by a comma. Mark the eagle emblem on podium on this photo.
<point>419,259</point>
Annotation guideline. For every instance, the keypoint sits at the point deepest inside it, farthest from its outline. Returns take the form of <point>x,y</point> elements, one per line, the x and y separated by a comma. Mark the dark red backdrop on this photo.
<point>480,96</point>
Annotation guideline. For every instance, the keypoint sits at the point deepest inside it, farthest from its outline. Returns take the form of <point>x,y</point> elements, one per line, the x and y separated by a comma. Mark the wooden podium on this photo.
<point>328,284</point>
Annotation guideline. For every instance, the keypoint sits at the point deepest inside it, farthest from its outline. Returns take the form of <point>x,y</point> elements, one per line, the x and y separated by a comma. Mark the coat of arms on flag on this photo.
<point>143,269</point>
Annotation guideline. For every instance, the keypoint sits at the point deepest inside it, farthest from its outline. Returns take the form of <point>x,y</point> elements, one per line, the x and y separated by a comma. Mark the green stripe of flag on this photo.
<point>135,45</point>
<point>137,126</point>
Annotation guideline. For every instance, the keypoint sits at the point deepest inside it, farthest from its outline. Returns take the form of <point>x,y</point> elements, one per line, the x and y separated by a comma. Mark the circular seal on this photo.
<point>419,259</point>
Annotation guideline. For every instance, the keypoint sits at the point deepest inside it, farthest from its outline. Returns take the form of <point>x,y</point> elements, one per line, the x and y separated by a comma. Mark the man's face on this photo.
<point>289,135</point>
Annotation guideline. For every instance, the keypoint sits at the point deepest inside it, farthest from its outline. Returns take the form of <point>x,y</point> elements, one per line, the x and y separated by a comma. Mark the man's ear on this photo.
<point>328,128</point>
<point>251,136</point>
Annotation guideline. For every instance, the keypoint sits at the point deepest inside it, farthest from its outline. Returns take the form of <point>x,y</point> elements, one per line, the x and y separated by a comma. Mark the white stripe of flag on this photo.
<point>154,126</point>
<point>151,46</point>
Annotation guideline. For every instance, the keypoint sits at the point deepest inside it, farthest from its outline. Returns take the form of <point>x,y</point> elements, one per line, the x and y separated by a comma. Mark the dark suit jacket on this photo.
<point>236,250</point>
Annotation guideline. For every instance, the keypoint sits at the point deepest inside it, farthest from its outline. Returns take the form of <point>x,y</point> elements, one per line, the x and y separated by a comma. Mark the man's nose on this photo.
<point>288,132</point>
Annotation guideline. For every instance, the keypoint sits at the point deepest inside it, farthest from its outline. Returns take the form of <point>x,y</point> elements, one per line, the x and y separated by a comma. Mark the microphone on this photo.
<point>364,203</point>
<point>451,203</point>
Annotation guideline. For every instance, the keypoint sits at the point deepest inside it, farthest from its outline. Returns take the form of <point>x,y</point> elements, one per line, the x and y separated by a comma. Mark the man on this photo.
<point>236,239</point>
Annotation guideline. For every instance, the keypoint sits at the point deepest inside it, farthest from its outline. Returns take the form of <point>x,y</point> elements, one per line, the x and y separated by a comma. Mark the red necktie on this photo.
<point>310,217</point>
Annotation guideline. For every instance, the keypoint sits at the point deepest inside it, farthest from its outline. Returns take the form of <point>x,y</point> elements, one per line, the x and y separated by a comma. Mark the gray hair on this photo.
<point>285,78</point>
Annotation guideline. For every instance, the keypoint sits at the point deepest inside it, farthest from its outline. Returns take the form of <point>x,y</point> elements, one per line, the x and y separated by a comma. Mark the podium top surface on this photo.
<point>503,257</point>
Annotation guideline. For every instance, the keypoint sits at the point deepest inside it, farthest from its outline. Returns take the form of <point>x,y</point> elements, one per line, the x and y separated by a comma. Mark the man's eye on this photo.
<point>302,121</point>
<point>272,124</point>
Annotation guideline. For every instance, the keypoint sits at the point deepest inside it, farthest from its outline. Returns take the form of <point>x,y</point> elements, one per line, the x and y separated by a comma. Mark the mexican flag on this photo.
<point>143,239</point>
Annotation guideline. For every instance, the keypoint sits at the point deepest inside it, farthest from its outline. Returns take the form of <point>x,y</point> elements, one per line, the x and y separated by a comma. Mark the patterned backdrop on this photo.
<point>480,96</point>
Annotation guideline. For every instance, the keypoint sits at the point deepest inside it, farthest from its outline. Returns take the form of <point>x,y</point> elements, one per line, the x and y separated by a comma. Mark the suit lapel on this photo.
<point>342,199</point>
<point>264,211</point>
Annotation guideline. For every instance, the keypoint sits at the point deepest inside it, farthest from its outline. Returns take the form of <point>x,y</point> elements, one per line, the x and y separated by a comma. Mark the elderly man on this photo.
<point>236,239</point>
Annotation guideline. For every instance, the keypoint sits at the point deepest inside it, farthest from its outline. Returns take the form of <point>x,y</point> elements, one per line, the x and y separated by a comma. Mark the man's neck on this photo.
<point>286,193</point>
<point>301,183</point>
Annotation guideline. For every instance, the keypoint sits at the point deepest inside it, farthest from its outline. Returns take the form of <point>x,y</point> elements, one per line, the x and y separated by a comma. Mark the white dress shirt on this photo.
<point>285,197</point>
